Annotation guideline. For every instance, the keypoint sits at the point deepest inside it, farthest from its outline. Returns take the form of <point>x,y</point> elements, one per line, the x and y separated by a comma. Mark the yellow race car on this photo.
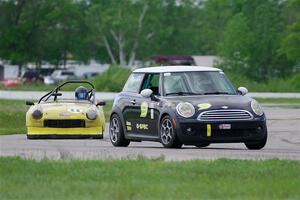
<point>54,116</point>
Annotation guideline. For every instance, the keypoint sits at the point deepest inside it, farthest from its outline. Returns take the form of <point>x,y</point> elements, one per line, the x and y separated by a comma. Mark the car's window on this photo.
<point>55,73</point>
<point>180,83</point>
<point>133,83</point>
<point>151,81</point>
<point>67,73</point>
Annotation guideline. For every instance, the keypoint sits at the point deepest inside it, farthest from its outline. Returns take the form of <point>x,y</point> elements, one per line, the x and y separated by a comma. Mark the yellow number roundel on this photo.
<point>144,109</point>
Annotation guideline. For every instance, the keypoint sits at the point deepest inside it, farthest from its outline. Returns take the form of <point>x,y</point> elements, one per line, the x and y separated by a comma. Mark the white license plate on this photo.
<point>224,126</point>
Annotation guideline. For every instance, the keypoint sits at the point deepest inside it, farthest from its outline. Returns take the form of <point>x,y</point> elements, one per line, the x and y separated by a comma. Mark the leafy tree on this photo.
<point>15,30</point>
<point>212,20</point>
<point>291,42</point>
<point>118,26</point>
<point>259,42</point>
<point>237,43</point>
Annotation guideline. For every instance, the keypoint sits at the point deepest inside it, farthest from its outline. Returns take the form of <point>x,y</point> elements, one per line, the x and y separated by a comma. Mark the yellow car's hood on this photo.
<point>64,109</point>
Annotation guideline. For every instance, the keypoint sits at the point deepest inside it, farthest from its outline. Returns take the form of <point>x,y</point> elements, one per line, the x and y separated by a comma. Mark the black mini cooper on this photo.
<point>187,105</point>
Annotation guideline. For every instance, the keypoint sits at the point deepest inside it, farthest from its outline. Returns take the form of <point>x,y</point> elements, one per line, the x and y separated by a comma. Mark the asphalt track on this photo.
<point>283,143</point>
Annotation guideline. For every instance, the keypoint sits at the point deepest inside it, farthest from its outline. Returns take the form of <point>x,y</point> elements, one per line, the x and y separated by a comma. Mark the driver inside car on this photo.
<point>81,93</point>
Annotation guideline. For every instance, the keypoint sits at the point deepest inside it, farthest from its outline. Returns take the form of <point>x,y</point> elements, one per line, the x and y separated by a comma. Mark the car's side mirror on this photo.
<point>148,93</point>
<point>29,103</point>
<point>242,90</point>
<point>101,103</point>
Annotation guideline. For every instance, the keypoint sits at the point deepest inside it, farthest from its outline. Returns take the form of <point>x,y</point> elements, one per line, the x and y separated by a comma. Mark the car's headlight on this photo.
<point>91,114</point>
<point>37,114</point>
<point>185,109</point>
<point>256,108</point>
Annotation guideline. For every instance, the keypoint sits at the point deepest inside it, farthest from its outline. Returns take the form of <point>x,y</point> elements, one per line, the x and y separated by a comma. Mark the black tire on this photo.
<point>168,135</point>
<point>257,145</point>
<point>204,144</point>
<point>116,132</point>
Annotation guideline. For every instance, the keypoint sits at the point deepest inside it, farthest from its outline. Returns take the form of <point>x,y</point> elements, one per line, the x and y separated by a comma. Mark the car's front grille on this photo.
<point>221,115</point>
<point>65,123</point>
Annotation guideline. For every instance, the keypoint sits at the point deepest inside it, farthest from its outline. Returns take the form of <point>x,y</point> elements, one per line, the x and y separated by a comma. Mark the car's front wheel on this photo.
<point>116,132</point>
<point>168,134</point>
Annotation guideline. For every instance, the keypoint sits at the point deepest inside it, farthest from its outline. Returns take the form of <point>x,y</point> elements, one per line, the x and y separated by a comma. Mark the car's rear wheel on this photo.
<point>116,132</point>
<point>257,145</point>
<point>204,144</point>
<point>168,134</point>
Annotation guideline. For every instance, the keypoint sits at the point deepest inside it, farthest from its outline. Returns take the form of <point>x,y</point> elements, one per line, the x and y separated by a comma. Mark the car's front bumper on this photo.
<point>45,132</point>
<point>196,132</point>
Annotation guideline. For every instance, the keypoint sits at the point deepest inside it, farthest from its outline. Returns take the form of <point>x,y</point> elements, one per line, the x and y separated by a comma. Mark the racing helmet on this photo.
<point>81,93</point>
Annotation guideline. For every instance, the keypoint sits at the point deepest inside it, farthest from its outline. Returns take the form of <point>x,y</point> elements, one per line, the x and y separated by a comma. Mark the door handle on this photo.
<point>133,101</point>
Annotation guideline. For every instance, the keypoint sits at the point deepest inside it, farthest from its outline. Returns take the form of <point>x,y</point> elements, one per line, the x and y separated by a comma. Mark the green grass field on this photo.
<point>13,112</point>
<point>148,179</point>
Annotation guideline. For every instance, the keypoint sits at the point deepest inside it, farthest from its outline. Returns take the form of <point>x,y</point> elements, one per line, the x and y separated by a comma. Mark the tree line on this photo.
<point>259,39</point>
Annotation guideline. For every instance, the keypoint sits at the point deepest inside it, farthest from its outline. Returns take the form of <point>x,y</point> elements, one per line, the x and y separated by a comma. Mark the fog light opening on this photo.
<point>189,131</point>
<point>259,129</point>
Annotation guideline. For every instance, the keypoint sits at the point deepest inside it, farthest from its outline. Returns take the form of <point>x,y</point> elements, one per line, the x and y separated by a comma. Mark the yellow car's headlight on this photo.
<point>91,114</point>
<point>185,109</point>
<point>256,108</point>
<point>37,114</point>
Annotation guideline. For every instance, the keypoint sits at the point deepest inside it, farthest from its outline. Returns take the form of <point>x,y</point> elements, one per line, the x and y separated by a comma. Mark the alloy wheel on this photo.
<point>114,130</point>
<point>167,131</point>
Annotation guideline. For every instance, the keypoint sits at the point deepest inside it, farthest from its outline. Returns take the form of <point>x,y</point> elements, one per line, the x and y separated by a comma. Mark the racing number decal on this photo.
<point>208,130</point>
<point>144,109</point>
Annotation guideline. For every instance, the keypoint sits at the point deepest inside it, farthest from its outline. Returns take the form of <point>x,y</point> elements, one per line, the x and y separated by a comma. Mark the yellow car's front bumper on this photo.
<point>42,132</point>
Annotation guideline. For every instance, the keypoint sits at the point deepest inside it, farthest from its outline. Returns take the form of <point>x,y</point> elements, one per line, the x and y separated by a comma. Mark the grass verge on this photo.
<point>13,115</point>
<point>148,179</point>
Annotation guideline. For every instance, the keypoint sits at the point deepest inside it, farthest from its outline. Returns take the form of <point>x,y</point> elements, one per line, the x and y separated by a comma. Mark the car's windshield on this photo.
<point>195,83</point>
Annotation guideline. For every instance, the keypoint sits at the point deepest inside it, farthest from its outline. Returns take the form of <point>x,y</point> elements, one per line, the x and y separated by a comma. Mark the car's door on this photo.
<point>142,114</point>
<point>148,113</point>
<point>129,101</point>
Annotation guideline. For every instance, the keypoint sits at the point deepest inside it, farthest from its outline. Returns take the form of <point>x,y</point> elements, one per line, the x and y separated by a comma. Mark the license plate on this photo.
<point>225,126</point>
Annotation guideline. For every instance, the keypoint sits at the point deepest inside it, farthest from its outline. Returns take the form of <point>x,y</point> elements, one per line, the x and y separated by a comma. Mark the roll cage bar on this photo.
<point>55,91</point>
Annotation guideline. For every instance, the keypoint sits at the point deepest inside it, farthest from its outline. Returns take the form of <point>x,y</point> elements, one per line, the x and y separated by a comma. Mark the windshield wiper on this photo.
<point>181,93</point>
<point>206,93</point>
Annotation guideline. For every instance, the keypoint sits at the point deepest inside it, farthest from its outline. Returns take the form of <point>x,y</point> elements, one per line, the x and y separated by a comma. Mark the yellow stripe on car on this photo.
<point>208,130</point>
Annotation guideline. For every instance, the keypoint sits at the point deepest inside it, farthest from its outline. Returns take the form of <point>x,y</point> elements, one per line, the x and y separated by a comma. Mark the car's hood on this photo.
<point>204,102</point>
<point>63,109</point>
